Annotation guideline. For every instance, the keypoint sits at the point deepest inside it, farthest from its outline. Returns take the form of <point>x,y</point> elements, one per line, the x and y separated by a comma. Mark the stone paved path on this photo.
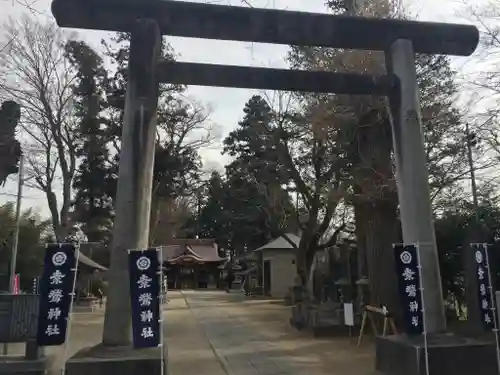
<point>214,333</point>
<point>189,351</point>
<point>252,337</point>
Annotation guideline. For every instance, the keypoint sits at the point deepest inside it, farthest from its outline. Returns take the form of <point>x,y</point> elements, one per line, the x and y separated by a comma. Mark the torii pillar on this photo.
<point>399,39</point>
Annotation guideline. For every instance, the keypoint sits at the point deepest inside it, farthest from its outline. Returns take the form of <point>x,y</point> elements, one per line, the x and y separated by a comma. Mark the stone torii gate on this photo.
<point>147,20</point>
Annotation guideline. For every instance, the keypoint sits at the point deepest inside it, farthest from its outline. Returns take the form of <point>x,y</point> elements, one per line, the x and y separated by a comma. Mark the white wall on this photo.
<point>283,270</point>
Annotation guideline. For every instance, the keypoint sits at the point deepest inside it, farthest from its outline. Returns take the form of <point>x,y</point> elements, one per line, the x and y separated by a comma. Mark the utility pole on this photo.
<point>474,318</point>
<point>15,242</point>
<point>13,258</point>
<point>475,201</point>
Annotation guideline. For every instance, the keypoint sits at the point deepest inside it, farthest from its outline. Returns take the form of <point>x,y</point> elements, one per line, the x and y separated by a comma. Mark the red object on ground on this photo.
<point>16,286</point>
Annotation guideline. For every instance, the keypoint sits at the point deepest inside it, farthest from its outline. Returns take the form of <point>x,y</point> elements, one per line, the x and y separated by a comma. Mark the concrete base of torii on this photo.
<point>103,360</point>
<point>448,354</point>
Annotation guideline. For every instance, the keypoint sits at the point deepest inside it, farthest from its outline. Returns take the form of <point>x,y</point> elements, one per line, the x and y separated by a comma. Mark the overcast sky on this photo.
<point>227,104</point>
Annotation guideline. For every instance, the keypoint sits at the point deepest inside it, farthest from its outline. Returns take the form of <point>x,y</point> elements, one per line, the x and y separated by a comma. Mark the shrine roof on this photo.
<point>281,243</point>
<point>201,250</point>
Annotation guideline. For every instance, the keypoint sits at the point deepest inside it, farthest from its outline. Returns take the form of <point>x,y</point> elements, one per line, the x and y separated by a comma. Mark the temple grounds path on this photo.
<point>252,337</point>
<point>214,333</point>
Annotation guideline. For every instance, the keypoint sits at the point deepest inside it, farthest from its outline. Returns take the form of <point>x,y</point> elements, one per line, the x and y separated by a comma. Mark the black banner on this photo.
<point>410,292</point>
<point>35,285</point>
<point>145,272</point>
<point>56,292</point>
<point>483,283</point>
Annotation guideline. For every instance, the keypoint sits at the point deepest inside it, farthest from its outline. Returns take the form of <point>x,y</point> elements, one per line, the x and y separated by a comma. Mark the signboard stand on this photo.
<point>349,316</point>
<point>368,314</point>
<point>409,271</point>
<point>145,298</point>
<point>492,304</point>
<point>70,312</point>
<point>424,326</point>
<point>57,290</point>
<point>162,294</point>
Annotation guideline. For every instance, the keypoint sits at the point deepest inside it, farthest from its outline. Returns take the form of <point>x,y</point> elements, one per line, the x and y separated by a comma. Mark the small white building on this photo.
<point>278,265</point>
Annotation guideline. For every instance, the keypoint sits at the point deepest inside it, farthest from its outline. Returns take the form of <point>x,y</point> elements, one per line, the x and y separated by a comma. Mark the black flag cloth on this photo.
<point>408,273</point>
<point>56,292</point>
<point>144,268</point>
<point>483,284</point>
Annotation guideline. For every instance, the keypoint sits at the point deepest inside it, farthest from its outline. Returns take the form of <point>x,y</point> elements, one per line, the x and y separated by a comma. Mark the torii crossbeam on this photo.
<point>147,20</point>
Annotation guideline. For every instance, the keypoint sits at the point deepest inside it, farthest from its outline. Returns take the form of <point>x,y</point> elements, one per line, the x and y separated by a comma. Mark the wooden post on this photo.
<point>369,314</point>
<point>413,180</point>
<point>133,198</point>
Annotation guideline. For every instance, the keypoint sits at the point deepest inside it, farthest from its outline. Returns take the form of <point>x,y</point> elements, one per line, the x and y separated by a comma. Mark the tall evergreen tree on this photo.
<point>259,206</point>
<point>94,179</point>
<point>253,143</point>
<point>212,221</point>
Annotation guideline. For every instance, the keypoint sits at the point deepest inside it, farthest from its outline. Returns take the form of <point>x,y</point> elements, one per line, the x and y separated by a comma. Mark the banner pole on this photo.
<point>424,325</point>
<point>160,317</point>
<point>492,302</point>
<point>70,311</point>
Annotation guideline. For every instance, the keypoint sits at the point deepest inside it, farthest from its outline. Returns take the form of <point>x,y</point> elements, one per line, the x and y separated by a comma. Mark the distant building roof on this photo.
<point>282,243</point>
<point>197,250</point>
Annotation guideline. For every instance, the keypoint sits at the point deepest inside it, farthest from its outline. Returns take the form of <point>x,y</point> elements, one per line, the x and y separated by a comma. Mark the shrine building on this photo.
<point>193,263</point>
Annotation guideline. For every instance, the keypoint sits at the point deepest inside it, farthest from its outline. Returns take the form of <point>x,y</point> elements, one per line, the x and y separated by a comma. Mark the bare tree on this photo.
<point>486,77</point>
<point>35,73</point>
<point>183,129</point>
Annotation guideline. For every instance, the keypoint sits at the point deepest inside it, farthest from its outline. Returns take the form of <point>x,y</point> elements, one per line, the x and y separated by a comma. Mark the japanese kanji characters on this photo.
<point>147,332</point>
<point>484,304</point>
<point>145,293</point>
<point>480,273</point>
<point>413,306</point>
<point>54,313</point>
<point>483,282</point>
<point>482,290</point>
<point>57,278</point>
<point>146,316</point>
<point>487,318</point>
<point>56,291</point>
<point>411,290</point>
<point>144,282</point>
<point>408,270</point>
<point>52,329</point>
<point>145,299</point>
<point>409,274</point>
<point>55,295</point>
<point>415,321</point>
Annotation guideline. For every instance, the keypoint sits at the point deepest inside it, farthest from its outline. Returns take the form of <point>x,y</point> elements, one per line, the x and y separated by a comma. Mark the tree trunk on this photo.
<point>360,211</point>
<point>378,208</point>
<point>305,258</point>
<point>66,201</point>
<point>153,219</point>
<point>54,213</point>
<point>381,234</point>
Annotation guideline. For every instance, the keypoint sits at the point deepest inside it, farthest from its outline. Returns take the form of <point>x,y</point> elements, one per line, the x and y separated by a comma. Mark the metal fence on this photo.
<point>18,317</point>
